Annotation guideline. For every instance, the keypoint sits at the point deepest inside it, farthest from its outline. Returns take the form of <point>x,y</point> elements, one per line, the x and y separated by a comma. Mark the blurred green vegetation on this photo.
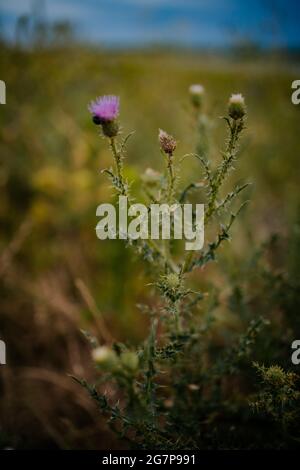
<point>51,181</point>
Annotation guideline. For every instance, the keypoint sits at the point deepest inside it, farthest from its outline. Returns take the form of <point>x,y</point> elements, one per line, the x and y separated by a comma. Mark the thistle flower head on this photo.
<point>237,98</point>
<point>167,142</point>
<point>172,280</point>
<point>236,106</point>
<point>276,376</point>
<point>196,92</point>
<point>105,357</point>
<point>196,89</point>
<point>105,108</point>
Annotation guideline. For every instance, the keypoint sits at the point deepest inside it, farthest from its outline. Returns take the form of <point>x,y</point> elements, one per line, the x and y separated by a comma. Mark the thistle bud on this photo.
<point>130,361</point>
<point>196,92</point>
<point>167,142</point>
<point>276,376</point>
<point>110,128</point>
<point>236,106</point>
<point>172,280</point>
<point>105,357</point>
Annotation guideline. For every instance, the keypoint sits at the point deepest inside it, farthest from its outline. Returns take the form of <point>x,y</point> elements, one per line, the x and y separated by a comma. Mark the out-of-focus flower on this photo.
<point>105,357</point>
<point>196,89</point>
<point>196,92</point>
<point>50,180</point>
<point>167,142</point>
<point>236,106</point>
<point>193,387</point>
<point>169,403</point>
<point>129,360</point>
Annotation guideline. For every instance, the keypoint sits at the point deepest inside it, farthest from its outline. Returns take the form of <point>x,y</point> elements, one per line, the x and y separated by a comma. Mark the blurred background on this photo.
<point>56,277</point>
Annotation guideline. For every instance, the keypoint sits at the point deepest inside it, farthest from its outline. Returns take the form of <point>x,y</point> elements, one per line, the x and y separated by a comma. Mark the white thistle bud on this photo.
<point>236,106</point>
<point>196,89</point>
<point>105,357</point>
<point>196,92</point>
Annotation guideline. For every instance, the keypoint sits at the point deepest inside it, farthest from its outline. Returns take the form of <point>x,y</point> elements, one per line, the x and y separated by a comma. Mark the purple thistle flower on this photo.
<point>105,108</point>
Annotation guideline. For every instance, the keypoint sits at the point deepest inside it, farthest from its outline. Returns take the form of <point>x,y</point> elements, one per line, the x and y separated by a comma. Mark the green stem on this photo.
<point>119,167</point>
<point>222,171</point>
<point>177,318</point>
<point>187,262</point>
<point>170,196</point>
<point>171,179</point>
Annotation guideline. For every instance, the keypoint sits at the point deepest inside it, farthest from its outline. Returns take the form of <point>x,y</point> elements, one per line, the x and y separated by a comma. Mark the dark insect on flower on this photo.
<point>97,120</point>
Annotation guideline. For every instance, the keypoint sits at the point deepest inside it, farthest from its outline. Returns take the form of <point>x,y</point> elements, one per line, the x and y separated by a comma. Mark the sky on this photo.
<point>188,23</point>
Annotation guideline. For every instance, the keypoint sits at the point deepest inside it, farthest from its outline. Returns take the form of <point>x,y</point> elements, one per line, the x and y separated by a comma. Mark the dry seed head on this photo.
<point>167,142</point>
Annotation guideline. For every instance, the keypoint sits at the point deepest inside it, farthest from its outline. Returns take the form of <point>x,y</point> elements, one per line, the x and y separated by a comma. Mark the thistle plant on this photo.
<point>279,397</point>
<point>173,391</point>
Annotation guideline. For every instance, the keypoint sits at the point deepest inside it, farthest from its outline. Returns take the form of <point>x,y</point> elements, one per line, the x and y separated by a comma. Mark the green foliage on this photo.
<point>279,399</point>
